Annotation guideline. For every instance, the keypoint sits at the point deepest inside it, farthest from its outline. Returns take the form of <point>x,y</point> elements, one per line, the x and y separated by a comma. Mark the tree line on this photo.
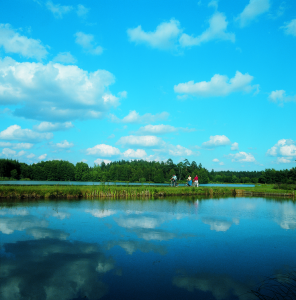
<point>136,171</point>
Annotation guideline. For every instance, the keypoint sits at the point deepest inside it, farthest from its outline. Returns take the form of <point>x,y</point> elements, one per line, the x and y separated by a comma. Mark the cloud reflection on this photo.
<point>53,269</point>
<point>220,286</point>
<point>219,224</point>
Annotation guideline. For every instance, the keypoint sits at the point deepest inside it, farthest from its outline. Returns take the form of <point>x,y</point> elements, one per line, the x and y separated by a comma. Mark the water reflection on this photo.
<point>221,286</point>
<point>53,269</point>
<point>220,224</point>
<point>136,249</point>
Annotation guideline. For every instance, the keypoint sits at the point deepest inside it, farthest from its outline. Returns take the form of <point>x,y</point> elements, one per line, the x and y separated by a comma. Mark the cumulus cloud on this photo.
<point>55,92</point>
<point>284,160</point>
<point>43,156</point>
<point>130,153</point>
<point>219,85</point>
<point>65,58</point>
<point>64,145</point>
<point>103,150</point>
<point>216,140</point>
<point>216,31</point>
<point>13,42</point>
<point>135,117</point>
<point>15,132</point>
<point>284,147</point>
<point>86,41</point>
<point>215,160</point>
<point>48,126</point>
<point>290,27</point>
<point>234,146</point>
<point>279,96</point>
<point>164,37</point>
<point>58,10</point>
<point>162,129</point>
<point>254,9</point>
<point>169,35</point>
<point>143,141</point>
<point>31,155</point>
<point>16,145</point>
<point>179,150</point>
<point>98,161</point>
<point>82,11</point>
<point>242,157</point>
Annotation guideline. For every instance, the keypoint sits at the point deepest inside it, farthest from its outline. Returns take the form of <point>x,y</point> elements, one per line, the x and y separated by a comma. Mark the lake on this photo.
<point>31,182</point>
<point>175,248</point>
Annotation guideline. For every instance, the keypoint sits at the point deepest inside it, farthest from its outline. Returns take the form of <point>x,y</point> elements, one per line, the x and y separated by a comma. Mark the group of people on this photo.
<point>189,181</point>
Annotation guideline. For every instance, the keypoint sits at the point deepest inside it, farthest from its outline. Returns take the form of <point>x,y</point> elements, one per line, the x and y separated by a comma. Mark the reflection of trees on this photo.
<point>220,286</point>
<point>52,269</point>
<point>280,286</point>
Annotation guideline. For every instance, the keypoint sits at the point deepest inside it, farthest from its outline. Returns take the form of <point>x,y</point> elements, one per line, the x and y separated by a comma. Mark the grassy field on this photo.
<point>112,191</point>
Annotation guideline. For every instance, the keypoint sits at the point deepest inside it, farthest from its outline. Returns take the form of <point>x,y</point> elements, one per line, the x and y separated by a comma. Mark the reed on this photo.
<point>116,192</point>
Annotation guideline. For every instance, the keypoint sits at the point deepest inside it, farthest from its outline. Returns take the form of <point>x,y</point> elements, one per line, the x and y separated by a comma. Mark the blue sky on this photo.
<point>211,81</point>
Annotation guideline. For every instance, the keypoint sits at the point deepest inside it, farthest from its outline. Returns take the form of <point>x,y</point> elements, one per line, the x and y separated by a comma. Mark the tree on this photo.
<point>13,174</point>
<point>80,168</point>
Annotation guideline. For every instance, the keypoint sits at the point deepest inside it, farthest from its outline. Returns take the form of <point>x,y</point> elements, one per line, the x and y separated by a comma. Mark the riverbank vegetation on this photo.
<point>136,171</point>
<point>113,191</point>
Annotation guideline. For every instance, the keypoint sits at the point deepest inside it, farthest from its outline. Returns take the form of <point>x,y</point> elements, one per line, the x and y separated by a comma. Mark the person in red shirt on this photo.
<point>196,180</point>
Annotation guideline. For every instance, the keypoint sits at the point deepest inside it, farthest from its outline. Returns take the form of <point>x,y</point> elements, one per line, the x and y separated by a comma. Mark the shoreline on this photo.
<point>123,192</point>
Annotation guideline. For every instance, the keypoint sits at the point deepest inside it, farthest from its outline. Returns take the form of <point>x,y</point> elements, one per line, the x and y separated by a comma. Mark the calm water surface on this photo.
<point>147,249</point>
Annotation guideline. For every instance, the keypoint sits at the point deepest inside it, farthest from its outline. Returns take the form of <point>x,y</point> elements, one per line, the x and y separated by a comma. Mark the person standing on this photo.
<point>174,180</point>
<point>196,180</point>
<point>189,181</point>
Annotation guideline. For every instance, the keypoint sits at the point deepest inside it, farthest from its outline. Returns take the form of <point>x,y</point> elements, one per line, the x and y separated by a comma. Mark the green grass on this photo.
<point>113,191</point>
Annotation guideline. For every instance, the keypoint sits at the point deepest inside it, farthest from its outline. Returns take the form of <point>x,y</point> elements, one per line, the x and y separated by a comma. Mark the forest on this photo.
<point>136,171</point>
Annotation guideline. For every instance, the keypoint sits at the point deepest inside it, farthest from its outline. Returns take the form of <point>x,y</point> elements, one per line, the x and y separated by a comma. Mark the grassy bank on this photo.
<point>112,191</point>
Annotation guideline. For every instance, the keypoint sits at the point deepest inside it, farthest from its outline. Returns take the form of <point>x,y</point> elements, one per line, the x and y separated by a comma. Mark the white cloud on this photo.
<point>221,163</point>
<point>98,161</point>
<point>216,31</point>
<point>214,4</point>
<point>103,150</point>
<point>8,152</point>
<point>179,150</point>
<point>134,117</point>
<point>215,160</point>
<point>57,9</point>
<point>64,144</point>
<point>219,85</point>
<point>48,126</point>
<point>139,153</point>
<point>234,146</point>
<point>284,147</point>
<point>43,156</point>
<point>16,145</point>
<point>142,141</point>
<point>252,11</point>
<point>284,160</point>
<point>31,155</point>
<point>279,96</point>
<point>82,11</point>
<point>157,129</point>
<point>14,132</point>
<point>162,129</point>
<point>122,94</point>
<point>65,58</point>
<point>13,42</point>
<point>242,157</point>
<point>54,92</point>
<point>216,140</point>
<point>86,41</point>
<point>164,37</point>
<point>169,35</point>
<point>290,27</point>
